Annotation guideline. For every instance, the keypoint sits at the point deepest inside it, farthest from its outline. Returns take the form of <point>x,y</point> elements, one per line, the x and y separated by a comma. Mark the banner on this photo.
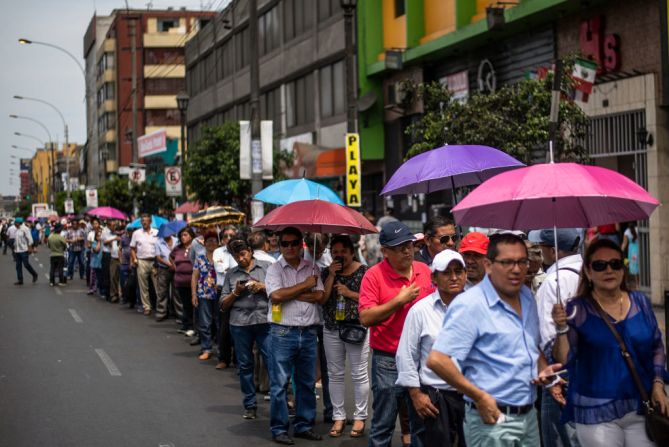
<point>153,143</point>
<point>173,181</point>
<point>69,206</point>
<point>353,170</point>
<point>92,198</point>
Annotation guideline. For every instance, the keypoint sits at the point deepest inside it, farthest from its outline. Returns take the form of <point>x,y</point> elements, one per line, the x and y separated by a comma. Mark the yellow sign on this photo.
<point>353,169</point>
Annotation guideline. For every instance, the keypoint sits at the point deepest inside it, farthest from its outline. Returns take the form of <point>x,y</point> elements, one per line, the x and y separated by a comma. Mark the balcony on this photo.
<point>109,136</point>
<point>165,71</point>
<point>160,102</point>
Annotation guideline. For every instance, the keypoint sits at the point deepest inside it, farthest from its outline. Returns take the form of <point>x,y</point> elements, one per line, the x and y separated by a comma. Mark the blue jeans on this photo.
<point>386,395</point>
<point>124,271</point>
<point>243,338</point>
<point>207,311</point>
<point>23,260</point>
<point>551,428</point>
<point>291,348</point>
<point>79,257</point>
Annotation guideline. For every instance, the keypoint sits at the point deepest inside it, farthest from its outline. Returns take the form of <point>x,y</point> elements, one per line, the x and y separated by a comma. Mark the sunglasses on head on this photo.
<point>447,238</point>
<point>600,266</point>
<point>293,243</point>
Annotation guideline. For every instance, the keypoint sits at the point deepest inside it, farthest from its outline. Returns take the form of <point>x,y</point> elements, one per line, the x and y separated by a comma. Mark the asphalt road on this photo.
<point>78,371</point>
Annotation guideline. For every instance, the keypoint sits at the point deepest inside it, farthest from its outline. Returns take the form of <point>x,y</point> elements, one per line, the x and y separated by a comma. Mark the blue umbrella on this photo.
<point>289,191</point>
<point>170,228</point>
<point>156,222</point>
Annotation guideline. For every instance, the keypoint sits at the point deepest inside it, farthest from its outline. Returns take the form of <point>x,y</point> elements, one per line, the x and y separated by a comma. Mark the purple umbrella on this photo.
<point>448,167</point>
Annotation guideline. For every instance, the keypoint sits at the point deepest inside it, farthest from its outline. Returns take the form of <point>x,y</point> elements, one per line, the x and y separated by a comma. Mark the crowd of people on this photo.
<point>489,338</point>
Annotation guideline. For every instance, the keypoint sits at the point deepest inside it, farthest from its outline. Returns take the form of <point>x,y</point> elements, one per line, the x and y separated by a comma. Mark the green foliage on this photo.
<point>513,119</point>
<point>150,197</point>
<point>79,198</point>
<point>212,171</point>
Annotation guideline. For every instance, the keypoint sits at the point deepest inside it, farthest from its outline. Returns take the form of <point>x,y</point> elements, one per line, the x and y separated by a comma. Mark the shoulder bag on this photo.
<point>657,425</point>
<point>352,332</point>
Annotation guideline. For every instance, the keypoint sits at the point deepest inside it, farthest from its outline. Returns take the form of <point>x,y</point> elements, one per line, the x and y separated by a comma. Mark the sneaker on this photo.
<point>189,333</point>
<point>50,284</point>
<point>249,414</point>
<point>267,397</point>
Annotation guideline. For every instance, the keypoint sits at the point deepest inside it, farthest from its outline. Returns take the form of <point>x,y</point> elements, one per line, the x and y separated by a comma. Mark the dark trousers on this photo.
<point>224,338</point>
<point>444,430</point>
<point>78,258</point>
<point>56,268</point>
<point>325,379</point>
<point>104,276</point>
<point>23,260</point>
<point>187,317</point>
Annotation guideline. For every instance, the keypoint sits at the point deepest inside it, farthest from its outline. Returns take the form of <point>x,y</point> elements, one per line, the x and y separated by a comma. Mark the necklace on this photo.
<point>620,299</point>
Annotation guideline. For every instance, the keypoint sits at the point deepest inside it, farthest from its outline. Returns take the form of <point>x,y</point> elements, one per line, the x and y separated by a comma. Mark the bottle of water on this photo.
<point>340,313</point>
<point>276,313</point>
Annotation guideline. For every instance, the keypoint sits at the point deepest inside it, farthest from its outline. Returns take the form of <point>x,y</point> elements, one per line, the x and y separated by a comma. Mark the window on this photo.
<point>332,90</point>
<point>242,45</point>
<point>270,108</point>
<point>243,111</point>
<point>225,61</point>
<point>106,62</point>
<point>164,56</point>
<point>164,25</point>
<point>163,117</point>
<point>105,92</point>
<point>269,36</point>
<point>106,121</point>
<point>400,9</point>
<point>298,16</point>
<point>164,86</point>
<point>328,8</point>
<point>300,101</point>
<point>208,67</point>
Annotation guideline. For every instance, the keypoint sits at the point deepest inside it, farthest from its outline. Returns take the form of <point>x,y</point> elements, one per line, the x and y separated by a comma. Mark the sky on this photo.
<point>48,74</point>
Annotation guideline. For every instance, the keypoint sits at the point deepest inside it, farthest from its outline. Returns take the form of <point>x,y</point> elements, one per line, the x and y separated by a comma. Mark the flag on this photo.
<point>584,75</point>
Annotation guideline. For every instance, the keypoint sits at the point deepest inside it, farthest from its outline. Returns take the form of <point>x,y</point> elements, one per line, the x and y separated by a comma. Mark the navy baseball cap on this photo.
<point>395,233</point>
<point>568,239</point>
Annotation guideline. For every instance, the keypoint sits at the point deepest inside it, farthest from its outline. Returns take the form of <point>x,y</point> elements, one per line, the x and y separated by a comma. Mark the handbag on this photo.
<point>657,425</point>
<point>351,332</point>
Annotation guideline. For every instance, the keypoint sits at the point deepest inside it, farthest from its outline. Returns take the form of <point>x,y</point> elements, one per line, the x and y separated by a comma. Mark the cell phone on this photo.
<point>243,281</point>
<point>340,260</point>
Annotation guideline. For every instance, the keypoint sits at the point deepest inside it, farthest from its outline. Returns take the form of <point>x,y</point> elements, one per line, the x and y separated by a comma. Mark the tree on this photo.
<point>212,171</point>
<point>151,197</point>
<point>513,119</point>
<point>77,196</point>
<point>115,192</point>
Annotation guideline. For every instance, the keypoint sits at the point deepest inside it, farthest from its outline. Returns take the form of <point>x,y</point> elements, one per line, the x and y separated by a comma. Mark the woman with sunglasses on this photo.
<point>602,399</point>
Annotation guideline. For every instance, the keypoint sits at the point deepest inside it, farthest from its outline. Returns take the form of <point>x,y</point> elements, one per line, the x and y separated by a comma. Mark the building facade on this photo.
<point>119,114</point>
<point>452,42</point>
<point>301,48</point>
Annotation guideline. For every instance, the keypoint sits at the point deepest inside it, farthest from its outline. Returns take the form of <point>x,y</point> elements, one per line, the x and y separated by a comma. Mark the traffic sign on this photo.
<point>69,206</point>
<point>137,175</point>
<point>173,182</point>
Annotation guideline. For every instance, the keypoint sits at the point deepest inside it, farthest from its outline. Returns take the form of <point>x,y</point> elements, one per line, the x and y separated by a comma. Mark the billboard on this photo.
<point>153,143</point>
<point>25,164</point>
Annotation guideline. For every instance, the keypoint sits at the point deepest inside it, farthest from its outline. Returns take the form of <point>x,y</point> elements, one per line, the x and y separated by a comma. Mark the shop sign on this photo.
<point>353,169</point>
<point>602,48</point>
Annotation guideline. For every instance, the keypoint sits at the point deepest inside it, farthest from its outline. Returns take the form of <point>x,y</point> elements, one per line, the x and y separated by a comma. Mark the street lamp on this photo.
<point>67,145</point>
<point>22,148</point>
<point>182,105</point>
<point>53,158</point>
<point>349,11</point>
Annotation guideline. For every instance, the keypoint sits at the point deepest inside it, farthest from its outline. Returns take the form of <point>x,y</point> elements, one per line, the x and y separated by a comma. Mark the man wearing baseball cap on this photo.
<point>437,409</point>
<point>569,262</point>
<point>473,248</point>
<point>387,292</point>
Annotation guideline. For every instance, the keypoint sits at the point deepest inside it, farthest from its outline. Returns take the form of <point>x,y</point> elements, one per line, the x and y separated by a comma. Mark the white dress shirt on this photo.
<point>223,261</point>
<point>262,255</point>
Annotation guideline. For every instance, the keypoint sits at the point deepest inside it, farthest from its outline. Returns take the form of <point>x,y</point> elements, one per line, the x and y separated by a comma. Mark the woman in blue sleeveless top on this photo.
<point>602,399</point>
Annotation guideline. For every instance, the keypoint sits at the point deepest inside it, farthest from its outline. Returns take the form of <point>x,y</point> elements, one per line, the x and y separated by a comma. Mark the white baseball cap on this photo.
<point>445,257</point>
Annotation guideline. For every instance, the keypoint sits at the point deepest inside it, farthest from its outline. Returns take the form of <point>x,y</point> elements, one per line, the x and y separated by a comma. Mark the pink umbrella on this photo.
<point>562,195</point>
<point>107,212</point>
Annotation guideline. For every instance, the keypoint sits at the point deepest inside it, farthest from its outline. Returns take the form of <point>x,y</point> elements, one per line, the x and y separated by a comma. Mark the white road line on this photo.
<point>46,275</point>
<point>36,258</point>
<point>58,291</point>
<point>109,363</point>
<point>75,315</point>
<point>41,266</point>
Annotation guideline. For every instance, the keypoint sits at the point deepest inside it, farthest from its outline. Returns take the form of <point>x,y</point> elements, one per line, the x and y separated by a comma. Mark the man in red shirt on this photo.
<point>387,292</point>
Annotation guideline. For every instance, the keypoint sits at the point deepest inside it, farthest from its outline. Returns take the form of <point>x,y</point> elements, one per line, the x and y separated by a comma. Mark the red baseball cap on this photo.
<point>476,242</point>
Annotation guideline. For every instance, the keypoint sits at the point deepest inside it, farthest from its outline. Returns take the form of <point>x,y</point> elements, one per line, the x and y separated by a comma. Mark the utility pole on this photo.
<point>256,149</point>
<point>67,163</point>
<point>349,13</point>
<point>133,67</point>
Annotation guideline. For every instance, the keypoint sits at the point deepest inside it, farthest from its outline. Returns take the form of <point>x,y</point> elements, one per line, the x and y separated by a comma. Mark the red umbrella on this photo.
<point>316,216</point>
<point>188,208</point>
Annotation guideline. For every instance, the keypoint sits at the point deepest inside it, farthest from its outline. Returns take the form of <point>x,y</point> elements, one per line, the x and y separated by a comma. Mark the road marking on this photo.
<point>165,444</point>
<point>109,363</point>
<point>36,258</point>
<point>46,275</point>
<point>75,315</point>
<point>76,290</point>
<point>41,266</point>
<point>58,291</point>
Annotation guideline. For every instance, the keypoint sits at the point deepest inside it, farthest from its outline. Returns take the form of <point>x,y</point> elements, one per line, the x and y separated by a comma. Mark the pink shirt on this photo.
<point>381,284</point>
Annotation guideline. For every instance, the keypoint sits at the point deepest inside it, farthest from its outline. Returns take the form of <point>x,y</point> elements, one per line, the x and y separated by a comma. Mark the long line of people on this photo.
<point>468,335</point>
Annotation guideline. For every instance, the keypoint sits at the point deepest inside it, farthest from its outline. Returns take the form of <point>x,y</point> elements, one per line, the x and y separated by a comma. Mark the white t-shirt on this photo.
<point>223,261</point>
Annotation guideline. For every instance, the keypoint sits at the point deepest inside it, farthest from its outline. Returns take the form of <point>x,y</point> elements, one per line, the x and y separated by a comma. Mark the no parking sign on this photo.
<point>173,181</point>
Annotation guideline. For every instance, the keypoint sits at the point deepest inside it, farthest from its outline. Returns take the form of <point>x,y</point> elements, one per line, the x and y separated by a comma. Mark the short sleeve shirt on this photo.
<point>249,308</point>
<point>381,284</point>
<point>206,285</point>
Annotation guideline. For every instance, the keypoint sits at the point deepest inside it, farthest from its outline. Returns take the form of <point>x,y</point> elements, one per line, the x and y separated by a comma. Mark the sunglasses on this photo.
<point>293,243</point>
<point>600,266</point>
<point>448,238</point>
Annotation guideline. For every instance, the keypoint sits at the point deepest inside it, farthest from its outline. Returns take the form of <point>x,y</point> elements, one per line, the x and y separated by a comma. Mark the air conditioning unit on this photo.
<point>397,94</point>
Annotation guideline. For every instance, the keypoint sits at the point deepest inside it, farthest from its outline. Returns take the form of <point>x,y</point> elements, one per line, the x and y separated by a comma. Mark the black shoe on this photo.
<point>18,283</point>
<point>35,276</point>
<point>249,413</point>
<point>284,439</point>
<point>195,341</point>
<point>309,435</point>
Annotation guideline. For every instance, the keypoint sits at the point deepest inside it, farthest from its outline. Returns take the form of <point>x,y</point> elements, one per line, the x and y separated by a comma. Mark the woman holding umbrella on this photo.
<point>603,399</point>
<point>204,295</point>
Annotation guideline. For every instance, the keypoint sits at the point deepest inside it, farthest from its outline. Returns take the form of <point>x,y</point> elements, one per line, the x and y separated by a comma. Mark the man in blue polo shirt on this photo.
<point>492,332</point>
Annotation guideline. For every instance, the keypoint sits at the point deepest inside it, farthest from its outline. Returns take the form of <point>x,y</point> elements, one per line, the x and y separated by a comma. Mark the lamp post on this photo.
<point>182,105</point>
<point>23,148</point>
<point>24,41</point>
<point>67,145</point>
<point>349,12</point>
<point>53,159</point>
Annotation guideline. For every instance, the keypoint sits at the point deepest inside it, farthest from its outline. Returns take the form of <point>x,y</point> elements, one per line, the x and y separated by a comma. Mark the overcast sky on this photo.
<point>48,74</point>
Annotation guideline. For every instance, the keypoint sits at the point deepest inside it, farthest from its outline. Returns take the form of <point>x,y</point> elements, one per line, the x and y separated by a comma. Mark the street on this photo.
<point>78,371</point>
